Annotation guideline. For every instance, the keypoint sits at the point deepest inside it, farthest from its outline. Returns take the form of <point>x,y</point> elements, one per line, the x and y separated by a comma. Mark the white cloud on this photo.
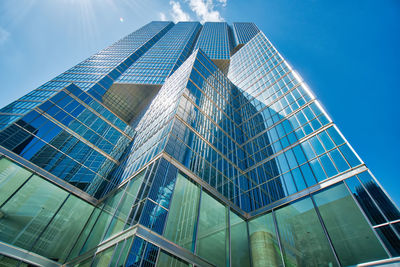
<point>3,35</point>
<point>163,17</point>
<point>204,9</point>
<point>223,2</point>
<point>177,13</point>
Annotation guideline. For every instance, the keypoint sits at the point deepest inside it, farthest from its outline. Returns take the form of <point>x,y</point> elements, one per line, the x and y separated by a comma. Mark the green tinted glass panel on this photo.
<point>167,260</point>
<point>111,202</point>
<point>239,242</point>
<point>124,252</point>
<point>303,240</point>
<point>352,237</point>
<point>264,244</point>
<point>11,178</point>
<point>9,262</point>
<point>125,205</point>
<point>182,214</point>
<point>104,257</point>
<point>61,234</point>
<point>27,213</point>
<point>85,263</point>
<point>98,231</point>
<point>212,231</point>
<point>83,236</point>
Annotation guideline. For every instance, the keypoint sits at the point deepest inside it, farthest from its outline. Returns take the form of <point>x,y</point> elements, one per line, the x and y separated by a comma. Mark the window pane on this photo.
<point>303,240</point>
<point>98,231</point>
<point>104,257</point>
<point>11,177</point>
<point>124,253</point>
<point>58,238</point>
<point>124,206</point>
<point>168,260</point>
<point>366,203</point>
<point>182,214</point>
<point>390,239</point>
<point>9,262</point>
<point>27,213</point>
<point>239,242</point>
<point>352,237</point>
<point>212,231</point>
<point>263,242</point>
<point>386,205</point>
<point>82,236</point>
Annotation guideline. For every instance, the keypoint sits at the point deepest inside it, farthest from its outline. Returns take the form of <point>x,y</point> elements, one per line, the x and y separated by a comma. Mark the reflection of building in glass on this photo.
<point>185,144</point>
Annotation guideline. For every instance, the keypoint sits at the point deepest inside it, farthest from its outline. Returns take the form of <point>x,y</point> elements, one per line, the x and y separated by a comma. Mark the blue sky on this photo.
<point>347,51</point>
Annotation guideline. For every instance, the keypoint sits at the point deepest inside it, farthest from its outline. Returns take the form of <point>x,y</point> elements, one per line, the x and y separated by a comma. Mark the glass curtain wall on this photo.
<point>326,228</point>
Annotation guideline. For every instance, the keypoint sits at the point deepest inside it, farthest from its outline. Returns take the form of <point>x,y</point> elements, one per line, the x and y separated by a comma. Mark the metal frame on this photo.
<point>48,176</point>
<point>26,256</point>
<point>307,191</point>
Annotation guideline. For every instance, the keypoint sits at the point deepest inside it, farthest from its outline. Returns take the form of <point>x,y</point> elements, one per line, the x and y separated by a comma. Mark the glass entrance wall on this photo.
<point>182,218</point>
<point>302,237</point>
<point>37,215</point>
<point>325,228</point>
<point>212,234</point>
<point>264,243</point>
<point>201,224</point>
<point>353,239</point>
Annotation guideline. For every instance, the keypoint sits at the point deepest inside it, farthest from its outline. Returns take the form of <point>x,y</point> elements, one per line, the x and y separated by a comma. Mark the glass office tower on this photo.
<point>185,145</point>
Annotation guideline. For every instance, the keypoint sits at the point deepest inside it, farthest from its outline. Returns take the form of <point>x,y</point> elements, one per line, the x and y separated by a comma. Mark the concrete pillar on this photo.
<point>263,250</point>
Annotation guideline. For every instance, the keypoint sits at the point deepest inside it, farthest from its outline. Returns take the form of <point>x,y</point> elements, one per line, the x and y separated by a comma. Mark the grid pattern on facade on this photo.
<point>164,57</point>
<point>221,156</point>
<point>95,74</point>
<point>214,40</point>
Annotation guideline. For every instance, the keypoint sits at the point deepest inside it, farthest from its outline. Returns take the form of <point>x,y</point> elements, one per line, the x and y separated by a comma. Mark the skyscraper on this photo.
<point>185,145</point>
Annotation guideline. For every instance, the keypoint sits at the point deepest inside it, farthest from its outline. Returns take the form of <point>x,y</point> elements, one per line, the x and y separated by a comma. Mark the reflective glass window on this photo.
<point>303,240</point>
<point>27,213</point>
<point>182,215</point>
<point>212,234</point>
<point>103,258</point>
<point>264,244</point>
<point>239,241</point>
<point>167,260</point>
<point>352,237</point>
<point>390,239</point>
<point>11,178</point>
<point>383,201</point>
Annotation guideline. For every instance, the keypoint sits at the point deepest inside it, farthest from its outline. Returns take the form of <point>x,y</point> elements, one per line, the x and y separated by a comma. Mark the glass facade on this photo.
<point>186,145</point>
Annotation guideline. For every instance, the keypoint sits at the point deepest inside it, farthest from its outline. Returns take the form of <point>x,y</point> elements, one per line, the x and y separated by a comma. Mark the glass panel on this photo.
<point>85,263</point>
<point>391,240</point>
<point>264,243</point>
<point>11,178</point>
<point>82,236</point>
<point>352,237</point>
<point>121,214</point>
<point>383,201</point>
<point>212,231</point>
<point>239,242</point>
<point>56,241</point>
<point>167,260</point>
<point>104,257</point>
<point>303,240</point>
<point>98,231</point>
<point>124,252</point>
<point>397,227</point>
<point>182,215</point>
<point>364,200</point>
<point>9,262</point>
<point>117,251</point>
<point>28,212</point>
<point>135,252</point>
